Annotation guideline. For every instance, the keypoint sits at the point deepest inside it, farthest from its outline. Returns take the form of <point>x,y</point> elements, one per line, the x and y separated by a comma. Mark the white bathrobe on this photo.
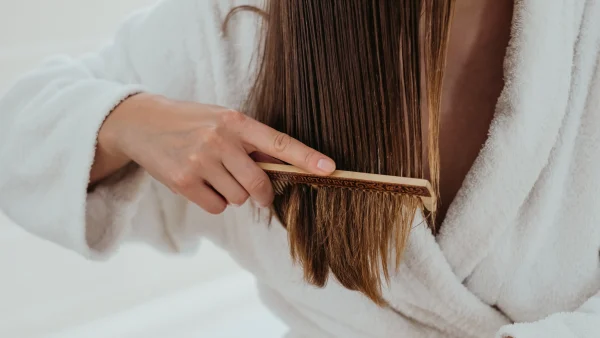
<point>518,254</point>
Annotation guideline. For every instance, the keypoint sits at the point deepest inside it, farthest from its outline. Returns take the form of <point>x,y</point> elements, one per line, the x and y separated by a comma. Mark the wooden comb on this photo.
<point>282,175</point>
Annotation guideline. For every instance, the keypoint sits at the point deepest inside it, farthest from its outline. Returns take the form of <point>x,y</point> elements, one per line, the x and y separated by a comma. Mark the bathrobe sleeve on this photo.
<point>49,120</point>
<point>583,323</point>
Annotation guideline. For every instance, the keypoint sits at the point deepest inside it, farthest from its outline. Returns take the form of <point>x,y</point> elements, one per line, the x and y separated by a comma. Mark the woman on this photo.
<point>517,251</point>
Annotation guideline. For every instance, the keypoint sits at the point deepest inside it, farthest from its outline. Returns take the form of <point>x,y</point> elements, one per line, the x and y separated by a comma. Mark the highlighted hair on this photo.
<point>351,79</point>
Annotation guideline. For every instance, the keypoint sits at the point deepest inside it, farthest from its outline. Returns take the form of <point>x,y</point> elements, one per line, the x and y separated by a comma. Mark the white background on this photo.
<point>45,290</point>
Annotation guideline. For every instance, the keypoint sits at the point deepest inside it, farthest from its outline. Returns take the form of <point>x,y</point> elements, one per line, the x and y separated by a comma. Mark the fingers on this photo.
<point>188,183</point>
<point>282,146</point>
<point>206,198</point>
<point>212,168</point>
<point>224,183</point>
<point>254,180</point>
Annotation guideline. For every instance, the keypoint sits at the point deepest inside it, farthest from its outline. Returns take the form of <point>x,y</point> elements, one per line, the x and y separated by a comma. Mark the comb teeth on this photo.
<point>282,176</point>
<point>279,186</point>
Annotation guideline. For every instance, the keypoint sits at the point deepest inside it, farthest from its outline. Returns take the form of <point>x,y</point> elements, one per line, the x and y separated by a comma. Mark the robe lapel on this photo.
<point>429,286</point>
<point>525,127</point>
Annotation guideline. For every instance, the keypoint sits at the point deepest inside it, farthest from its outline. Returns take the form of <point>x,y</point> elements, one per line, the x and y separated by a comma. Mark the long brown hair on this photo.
<point>344,77</point>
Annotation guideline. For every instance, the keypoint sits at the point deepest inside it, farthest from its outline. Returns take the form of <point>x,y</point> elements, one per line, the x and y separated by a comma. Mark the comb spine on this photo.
<point>283,175</point>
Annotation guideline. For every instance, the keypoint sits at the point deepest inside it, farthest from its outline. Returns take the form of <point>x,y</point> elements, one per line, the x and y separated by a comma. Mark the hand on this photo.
<point>203,151</point>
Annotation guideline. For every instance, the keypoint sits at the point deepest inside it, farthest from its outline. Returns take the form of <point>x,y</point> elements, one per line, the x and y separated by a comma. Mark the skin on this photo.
<point>200,151</point>
<point>473,82</point>
<point>206,153</point>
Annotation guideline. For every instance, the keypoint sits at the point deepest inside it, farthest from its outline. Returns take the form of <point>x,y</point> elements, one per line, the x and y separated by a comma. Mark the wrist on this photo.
<point>117,136</point>
<point>110,132</point>
<point>111,153</point>
<point>122,122</point>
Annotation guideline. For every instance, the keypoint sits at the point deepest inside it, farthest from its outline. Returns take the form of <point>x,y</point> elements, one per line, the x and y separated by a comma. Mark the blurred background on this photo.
<point>46,291</point>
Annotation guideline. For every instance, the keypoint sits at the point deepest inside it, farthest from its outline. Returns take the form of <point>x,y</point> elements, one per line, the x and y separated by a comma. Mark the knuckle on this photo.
<point>194,159</point>
<point>182,180</point>
<point>197,161</point>
<point>258,183</point>
<point>233,117</point>
<point>281,142</point>
<point>212,137</point>
<point>309,156</point>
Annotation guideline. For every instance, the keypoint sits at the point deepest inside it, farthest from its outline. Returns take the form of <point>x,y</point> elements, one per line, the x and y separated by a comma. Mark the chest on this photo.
<point>533,233</point>
<point>472,85</point>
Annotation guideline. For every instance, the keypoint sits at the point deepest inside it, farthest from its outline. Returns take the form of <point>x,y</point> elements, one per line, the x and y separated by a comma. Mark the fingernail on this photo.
<point>326,165</point>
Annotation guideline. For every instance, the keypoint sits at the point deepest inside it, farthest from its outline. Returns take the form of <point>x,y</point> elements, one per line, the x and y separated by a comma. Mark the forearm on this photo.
<point>53,140</point>
<point>110,156</point>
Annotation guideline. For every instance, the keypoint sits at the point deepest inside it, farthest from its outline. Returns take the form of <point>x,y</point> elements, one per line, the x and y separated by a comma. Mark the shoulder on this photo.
<point>180,20</point>
<point>179,49</point>
<point>227,50</point>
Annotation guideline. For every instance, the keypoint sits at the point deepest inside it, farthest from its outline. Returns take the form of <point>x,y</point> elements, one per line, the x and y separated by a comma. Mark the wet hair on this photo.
<point>354,79</point>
